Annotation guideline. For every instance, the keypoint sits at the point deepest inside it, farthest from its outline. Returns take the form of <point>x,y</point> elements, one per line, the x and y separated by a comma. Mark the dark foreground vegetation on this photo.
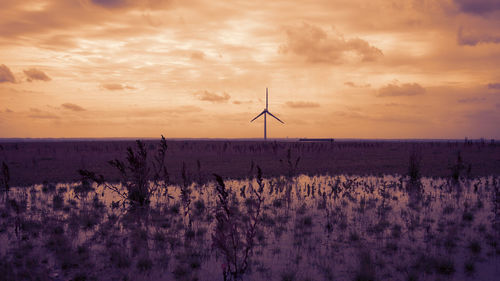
<point>38,162</point>
<point>299,228</point>
<point>141,226</point>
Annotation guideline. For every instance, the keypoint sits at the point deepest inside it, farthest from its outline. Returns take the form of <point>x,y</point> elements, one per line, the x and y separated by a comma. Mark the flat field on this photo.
<point>278,211</point>
<point>59,161</point>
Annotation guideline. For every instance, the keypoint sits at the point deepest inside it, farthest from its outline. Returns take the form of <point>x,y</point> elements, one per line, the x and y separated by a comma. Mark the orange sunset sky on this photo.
<point>200,68</point>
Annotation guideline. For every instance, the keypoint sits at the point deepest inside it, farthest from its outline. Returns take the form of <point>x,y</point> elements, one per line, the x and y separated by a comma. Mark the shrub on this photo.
<point>136,173</point>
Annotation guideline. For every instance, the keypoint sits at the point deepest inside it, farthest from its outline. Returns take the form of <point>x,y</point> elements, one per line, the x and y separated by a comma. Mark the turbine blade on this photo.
<point>266,98</point>
<point>258,115</point>
<point>275,117</point>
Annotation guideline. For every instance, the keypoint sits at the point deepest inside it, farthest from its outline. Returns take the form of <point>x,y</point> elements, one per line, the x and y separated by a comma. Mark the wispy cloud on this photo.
<point>406,89</point>
<point>43,116</point>
<point>212,97</point>
<point>72,107</point>
<point>116,87</point>
<point>185,109</point>
<point>36,113</point>
<point>471,100</point>
<point>302,104</point>
<point>242,102</point>
<point>355,85</point>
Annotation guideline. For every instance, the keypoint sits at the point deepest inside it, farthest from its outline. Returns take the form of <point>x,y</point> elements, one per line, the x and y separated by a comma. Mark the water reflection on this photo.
<point>315,228</point>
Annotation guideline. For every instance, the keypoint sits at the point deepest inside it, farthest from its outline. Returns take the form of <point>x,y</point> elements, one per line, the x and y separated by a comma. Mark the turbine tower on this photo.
<point>265,112</point>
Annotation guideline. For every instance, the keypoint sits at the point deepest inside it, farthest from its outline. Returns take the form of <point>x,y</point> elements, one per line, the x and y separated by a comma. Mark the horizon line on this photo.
<point>33,139</point>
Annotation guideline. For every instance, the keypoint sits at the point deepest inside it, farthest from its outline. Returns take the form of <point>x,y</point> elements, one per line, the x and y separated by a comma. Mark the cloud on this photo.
<point>35,74</point>
<point>110,3</point>
<point>471,100</point>
<point>114,4</point>
<point>117,87</point>
<point>43,116</point>
<point>6,75</point>
<point>472,38</point>
<point>485,117</point>
<point>39,114</point>
<point>225,46</point>
<point>302,104</point>
<point>212,97</point>
<point>392,118</point>
<point>242,102</point>
<point>354,85</point>
<point>197,55</point>
<point>185,109</point>
<point>61,24</point>
<point>72,107</point>
<point>316,45</point>
<point>494,86</point>
<point>407,89</point>
<point>113,86</point>
<point>478,6</point>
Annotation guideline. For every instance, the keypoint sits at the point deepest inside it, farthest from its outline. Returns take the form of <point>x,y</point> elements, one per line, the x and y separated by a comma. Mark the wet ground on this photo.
<point>297,228</point>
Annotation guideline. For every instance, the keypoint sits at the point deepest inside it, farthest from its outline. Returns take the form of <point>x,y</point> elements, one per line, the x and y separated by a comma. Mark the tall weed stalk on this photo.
<point>5,177</point>
<point>235,232</point>
<point>414,172</point>
<point>136,173</point>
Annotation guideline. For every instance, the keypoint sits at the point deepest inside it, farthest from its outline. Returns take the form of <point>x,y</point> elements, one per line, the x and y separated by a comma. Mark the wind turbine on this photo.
<point>265,112</point>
